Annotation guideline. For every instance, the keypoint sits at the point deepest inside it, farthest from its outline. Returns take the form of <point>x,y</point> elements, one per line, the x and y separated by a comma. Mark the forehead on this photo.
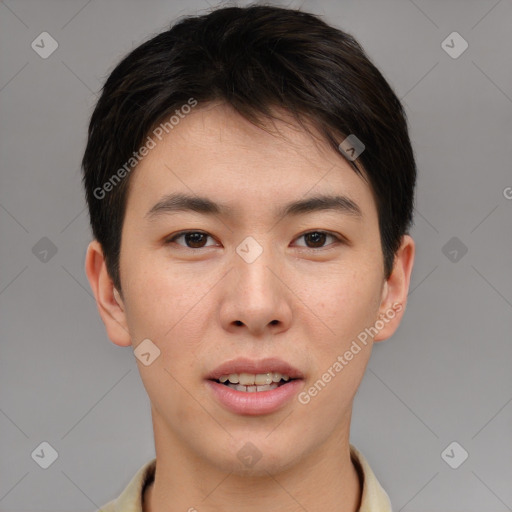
<point>215,152</point>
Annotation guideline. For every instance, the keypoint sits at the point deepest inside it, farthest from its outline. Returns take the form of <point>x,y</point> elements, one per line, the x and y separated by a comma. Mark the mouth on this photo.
<point>253,388</point>
<point>254,383</point>
<point>249,372</point>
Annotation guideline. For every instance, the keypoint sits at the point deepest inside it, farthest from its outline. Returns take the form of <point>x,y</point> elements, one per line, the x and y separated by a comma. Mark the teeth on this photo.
<point>246,379</point>
<point>250,379</point>
<point>253,389</point>
<point>262,379</point>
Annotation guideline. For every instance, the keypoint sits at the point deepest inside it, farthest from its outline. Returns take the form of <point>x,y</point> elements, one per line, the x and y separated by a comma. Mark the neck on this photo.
<point>326,480</point>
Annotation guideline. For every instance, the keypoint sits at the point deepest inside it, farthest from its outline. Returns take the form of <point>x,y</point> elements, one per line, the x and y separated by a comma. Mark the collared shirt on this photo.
<point>373,499</point>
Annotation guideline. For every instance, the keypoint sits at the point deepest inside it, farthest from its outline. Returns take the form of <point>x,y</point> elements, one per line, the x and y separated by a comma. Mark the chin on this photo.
<point>255,459</point>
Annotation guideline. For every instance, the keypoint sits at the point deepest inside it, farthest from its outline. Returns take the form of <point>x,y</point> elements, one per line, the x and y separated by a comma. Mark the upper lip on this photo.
<point>244,365</point>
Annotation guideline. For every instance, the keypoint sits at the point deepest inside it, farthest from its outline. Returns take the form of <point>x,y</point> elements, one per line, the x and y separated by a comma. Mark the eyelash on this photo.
<point>338,239</point>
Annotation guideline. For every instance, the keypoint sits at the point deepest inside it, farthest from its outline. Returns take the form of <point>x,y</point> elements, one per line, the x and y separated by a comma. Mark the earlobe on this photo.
<point>110,307</point>
<point>396,289</point>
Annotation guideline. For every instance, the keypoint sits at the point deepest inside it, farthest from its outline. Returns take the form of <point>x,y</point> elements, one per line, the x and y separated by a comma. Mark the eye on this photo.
<point>196,239</point>
<point>317,238</point>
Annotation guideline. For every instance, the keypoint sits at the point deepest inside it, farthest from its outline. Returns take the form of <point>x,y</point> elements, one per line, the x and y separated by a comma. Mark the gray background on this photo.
<point>445,376</point>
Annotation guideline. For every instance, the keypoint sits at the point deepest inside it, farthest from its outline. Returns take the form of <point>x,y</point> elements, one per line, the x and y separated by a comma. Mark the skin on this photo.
<point>302,300</point>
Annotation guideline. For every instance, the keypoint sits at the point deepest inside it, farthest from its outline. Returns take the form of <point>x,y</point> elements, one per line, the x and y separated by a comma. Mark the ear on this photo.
<point>108,300</point>
<point>395,290</point>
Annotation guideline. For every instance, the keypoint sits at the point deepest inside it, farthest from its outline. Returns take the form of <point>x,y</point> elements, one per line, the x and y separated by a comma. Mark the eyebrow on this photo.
<point>178,202</point>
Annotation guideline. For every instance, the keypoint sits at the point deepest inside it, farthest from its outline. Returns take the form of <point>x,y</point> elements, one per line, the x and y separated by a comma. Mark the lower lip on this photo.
<point>258,402</point>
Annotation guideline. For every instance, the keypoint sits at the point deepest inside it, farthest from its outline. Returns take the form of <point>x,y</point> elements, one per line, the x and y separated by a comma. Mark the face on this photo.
<point>252,282</point>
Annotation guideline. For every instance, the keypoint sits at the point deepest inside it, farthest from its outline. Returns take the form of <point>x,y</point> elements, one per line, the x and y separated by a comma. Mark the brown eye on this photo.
<point>317,239</point>
<point>193,239</point>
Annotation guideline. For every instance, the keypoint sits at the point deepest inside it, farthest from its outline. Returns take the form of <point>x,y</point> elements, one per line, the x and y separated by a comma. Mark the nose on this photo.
<point>255,295</point>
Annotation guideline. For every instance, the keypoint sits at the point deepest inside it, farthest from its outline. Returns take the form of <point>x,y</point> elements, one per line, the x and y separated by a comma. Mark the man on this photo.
<point>250,184</point>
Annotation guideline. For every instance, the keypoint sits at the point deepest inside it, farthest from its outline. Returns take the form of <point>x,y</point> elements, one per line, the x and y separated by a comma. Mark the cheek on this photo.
<point>172,308</point>
<point>347,303</point>
<point>162,297</point>
<point>350,307</point>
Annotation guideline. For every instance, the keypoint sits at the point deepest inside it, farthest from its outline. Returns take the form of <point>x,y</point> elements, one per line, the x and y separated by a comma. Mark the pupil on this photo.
<point>194,237</point>
<point>315,235</point>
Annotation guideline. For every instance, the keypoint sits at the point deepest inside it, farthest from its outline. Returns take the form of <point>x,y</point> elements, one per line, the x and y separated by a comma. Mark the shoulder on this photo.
<point>130,500</point>
<point>373,497</point>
